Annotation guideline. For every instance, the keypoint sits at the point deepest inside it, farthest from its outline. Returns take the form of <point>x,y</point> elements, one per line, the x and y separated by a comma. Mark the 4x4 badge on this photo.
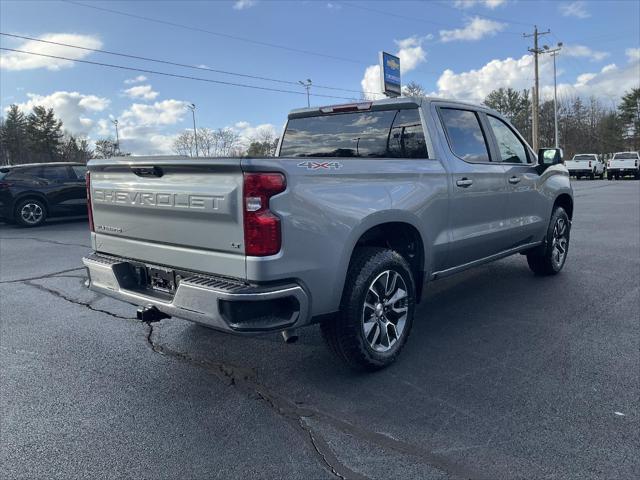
<point>320,165</point>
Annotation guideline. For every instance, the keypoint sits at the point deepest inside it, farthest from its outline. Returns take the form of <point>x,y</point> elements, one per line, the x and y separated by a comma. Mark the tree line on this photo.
<point>584,126</point>
<point>224,142</point>
<point>40,137</point>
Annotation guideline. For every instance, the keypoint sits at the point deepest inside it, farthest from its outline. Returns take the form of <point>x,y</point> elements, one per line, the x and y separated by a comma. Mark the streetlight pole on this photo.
<point>192,107</point>
<point>307,86</point>
<point>115,122</point>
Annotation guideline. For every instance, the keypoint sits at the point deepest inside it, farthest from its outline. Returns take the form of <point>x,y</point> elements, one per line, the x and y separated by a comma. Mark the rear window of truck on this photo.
<point>625,156</point>
<point>577,158</point>
<point>378,134</point>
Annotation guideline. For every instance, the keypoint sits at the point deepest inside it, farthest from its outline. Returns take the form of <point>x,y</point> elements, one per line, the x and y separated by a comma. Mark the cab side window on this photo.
<point>465,135</point>
<point>406,139</point>
<point>53,173</point>
<point>511,148</point>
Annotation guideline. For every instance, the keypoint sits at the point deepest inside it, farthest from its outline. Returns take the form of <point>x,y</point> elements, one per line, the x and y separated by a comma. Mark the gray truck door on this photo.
<point>526,215</point>
<point>479,193</point>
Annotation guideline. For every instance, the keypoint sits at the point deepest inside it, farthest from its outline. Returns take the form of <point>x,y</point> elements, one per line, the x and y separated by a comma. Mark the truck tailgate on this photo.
<point>173,211</point>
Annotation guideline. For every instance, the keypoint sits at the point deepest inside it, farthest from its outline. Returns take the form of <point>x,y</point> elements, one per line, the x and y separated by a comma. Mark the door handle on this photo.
<point>464,182</point>
<point>513,180</point>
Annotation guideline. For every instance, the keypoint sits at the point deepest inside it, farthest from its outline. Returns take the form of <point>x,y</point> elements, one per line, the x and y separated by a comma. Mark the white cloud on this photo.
<point>475,85</point>
<point>72,108</point>
<point>247,131</point>
<point>574,9</point>
<point>632,54</point>
<point>475,29</point>
<point>584,52</point>
<point>23,61</point>
<point>490,4</point>
<point>144,92</point>
<point>166,112</point>
<point>138,79</point>
<point>334,6</point>
<point>243,4</point>
<point>411,55</point>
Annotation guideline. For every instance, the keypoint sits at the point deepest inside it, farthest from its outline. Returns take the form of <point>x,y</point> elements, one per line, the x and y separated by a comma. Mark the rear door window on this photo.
<point>55,173</point>
<point>464,134</point>
<point>377,134</point>
<point>79,171</point>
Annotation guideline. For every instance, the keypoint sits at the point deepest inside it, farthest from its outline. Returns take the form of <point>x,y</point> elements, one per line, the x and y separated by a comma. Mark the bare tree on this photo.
<point>184,144</point>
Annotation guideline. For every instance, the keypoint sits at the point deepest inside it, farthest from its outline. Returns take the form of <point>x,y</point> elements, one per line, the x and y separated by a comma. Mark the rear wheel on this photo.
<point>377,308</point>
<point>30,212</point>
<point>548,259</point>
<point>592,175</point>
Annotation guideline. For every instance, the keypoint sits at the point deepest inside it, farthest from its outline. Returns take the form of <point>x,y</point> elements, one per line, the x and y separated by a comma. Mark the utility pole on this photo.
<point>307,86</point>
<point>115,122</point>
<point>554,53</point>
<point>192,107</point>
<point>536,91</point>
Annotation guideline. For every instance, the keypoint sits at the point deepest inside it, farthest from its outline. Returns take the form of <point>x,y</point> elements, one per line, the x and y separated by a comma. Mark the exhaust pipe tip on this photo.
<point>290,335</point>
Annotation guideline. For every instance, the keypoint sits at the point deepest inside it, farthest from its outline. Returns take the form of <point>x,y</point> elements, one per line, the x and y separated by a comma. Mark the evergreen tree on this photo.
<point>13,136</point>
<point>45,135</point>
<point>629,110</point>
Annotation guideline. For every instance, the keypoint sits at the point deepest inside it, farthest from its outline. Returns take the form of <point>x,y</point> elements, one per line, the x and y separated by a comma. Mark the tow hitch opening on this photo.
<point>150,313</point>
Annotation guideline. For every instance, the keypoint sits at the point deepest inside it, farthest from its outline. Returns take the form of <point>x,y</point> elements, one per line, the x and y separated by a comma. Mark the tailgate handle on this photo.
<point>147,171</point>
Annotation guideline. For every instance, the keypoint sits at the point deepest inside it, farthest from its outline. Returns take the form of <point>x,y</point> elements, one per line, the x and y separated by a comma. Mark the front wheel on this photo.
<point>548,259</point>
<point>376,313</point>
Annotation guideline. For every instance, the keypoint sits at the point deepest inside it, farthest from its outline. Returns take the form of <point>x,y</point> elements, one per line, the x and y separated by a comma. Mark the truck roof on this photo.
<point>383,104</point>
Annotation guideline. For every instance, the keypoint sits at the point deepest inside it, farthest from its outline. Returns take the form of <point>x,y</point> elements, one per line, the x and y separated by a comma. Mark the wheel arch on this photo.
<point>565,201</point>
<point>401,235</point>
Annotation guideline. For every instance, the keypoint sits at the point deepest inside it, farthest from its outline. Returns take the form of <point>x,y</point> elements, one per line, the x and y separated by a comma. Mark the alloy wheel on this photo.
<point>31,213</point>
<point>385,310</point>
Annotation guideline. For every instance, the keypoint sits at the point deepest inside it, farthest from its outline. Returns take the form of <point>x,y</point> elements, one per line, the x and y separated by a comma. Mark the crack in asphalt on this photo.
<point>244,380</point>
<point>42,277</point>
<point>43,240</point>
<point>295,415</point>
<point>73,300</point>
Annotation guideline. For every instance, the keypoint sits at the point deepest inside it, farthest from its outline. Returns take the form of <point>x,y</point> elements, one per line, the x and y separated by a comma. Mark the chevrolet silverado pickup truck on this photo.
<point>586,165</point>
<point>362,206</point>
<point>624,163</point>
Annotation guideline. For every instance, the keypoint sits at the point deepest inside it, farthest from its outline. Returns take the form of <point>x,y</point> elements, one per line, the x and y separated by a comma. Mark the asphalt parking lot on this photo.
<point>506,375</point>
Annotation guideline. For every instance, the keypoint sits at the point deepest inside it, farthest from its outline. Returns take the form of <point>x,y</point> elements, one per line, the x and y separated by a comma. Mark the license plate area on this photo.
<point>161,279</point>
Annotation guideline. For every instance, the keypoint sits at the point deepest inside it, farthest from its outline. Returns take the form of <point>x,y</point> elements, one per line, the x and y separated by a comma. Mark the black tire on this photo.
<point>609,176</point>
<point>592,176</point>
<point>345,332</point>
<point>30,212</point>
<point>548,259</point>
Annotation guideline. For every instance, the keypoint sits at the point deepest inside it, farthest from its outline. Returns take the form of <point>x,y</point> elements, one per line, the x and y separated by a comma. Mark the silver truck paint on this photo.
<point>190,219</point>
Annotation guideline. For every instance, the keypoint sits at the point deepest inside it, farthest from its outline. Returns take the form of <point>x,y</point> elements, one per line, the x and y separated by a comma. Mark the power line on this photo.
<point>218,34</point>
<point>176,64</point>
<point>175,75</point>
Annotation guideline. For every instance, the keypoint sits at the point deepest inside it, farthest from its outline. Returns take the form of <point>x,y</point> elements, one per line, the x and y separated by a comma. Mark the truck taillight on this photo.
<point>636,163</point>
<point>608,163</point>
<point>262,234</point>
<point>589,163</point>
<point>89,206</point>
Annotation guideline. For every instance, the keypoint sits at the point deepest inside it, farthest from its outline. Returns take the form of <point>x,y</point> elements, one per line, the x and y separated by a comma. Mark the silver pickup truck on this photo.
<point>363,205</point>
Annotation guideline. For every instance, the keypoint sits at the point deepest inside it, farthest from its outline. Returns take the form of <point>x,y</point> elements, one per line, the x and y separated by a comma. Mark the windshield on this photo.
<point>584,157</point>
<point>389,133</point>
<point>625,156</point>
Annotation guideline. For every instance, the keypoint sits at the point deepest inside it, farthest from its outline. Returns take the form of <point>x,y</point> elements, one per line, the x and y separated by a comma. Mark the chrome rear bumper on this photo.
<point>224,304</point>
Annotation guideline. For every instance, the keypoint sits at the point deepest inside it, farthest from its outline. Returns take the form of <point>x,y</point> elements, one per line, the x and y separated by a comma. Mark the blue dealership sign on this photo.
<point>390,74</point>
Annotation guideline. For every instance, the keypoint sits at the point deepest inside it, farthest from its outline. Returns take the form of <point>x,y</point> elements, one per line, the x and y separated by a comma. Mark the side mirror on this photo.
<point>549,156</point>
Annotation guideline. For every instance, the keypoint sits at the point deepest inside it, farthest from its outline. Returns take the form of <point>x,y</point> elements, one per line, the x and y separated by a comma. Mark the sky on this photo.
<point>458,49</point>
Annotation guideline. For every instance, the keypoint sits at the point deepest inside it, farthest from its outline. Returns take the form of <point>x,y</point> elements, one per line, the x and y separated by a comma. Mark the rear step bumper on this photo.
<point>220,303</point>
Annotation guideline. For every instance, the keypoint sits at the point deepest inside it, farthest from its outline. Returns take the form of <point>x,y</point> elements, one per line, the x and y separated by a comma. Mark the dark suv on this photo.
<point>31,193</point>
